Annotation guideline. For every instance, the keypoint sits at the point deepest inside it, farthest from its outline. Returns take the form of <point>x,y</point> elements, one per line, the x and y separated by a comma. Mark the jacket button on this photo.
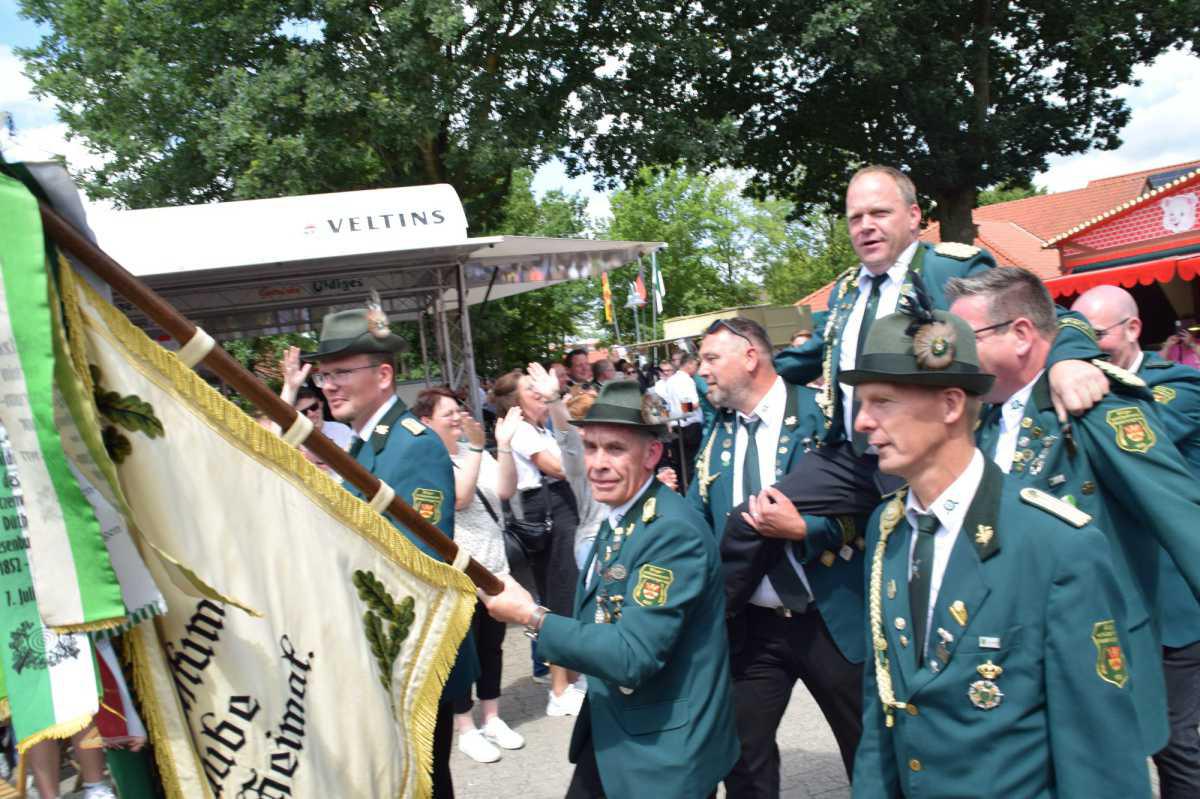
<point>914,764</point>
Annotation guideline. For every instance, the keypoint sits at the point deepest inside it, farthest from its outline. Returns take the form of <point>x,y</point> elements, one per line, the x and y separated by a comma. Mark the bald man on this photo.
<point>1113,313</point>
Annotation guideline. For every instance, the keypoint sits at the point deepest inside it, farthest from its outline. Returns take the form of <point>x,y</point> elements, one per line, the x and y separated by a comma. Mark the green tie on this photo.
<point>751,474</point>
<point>922,579</point>
<point>859,440</point>
<point>355,446</point>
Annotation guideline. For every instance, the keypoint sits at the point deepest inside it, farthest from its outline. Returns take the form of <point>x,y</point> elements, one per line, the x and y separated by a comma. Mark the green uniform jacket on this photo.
<point>835,579</point>
<point>1177,391</point>
<point>1128,476</point>
<point>819,356</point>
<point>1037,598</point>
<point>659,695</point>
<point>410,458</point>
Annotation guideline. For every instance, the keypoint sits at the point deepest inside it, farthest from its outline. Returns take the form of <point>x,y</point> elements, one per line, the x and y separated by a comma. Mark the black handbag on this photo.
<point>515,551</point>
<point>533,534</point>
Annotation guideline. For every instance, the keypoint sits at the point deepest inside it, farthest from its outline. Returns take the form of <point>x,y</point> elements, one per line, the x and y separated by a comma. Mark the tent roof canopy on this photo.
<point>271,266</point>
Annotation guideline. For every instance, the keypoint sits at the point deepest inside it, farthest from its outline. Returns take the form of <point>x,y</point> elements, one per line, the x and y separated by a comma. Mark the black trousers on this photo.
<point>1178,762</point>
<point>829,481</point>
<point>769,653</point>
<point>489,643</point>
<point>585,781</point>
<point>443,736</point>
<point>554,569</point>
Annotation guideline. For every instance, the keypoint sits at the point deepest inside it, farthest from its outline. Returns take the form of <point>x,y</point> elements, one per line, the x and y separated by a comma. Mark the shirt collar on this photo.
<point>369,427</point>
<point>771,407</point>
<point>1137,362</point>
<point>951,506</point>
<point>895,272</point>
<point>615,514</point>
<point>1014,407</point>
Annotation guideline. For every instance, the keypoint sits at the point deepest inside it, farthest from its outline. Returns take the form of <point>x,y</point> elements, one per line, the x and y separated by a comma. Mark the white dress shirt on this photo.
<point>615,515</point>
<point>889,297</point>
<point>1011,414</point>
<point>770,410</point>
<point>950,509</point>
<point>373,420</point>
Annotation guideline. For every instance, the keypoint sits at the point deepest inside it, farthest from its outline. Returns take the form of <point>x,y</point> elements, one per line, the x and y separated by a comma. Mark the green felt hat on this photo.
<point>621,403</point>
<point>358,330</point>
<point>937,351</point>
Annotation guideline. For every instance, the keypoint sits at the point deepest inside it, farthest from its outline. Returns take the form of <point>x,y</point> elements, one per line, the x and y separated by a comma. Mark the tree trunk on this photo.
<point>954,212</point>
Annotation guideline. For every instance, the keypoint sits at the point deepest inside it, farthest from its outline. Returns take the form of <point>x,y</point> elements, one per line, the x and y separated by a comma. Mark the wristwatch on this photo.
<point>535,622</point>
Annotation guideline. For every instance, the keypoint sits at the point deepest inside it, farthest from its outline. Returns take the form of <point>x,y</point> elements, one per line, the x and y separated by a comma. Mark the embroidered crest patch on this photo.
<point>1110,660</point>
<point>428,503</point>
<point>1163,394</point>
<point>1133,432</point>
<point>652,586</point>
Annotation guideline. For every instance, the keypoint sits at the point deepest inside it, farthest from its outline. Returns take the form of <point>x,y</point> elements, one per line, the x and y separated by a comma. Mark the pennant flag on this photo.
<point>639,284</point>
<point>49,678</point>
<point>241,703</point>
<point>606,291</point>
<point>660,290</point>
<point>74,579</point>
<point>632,300</point>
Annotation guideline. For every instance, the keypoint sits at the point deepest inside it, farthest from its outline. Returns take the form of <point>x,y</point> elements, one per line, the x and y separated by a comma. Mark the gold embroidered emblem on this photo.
<point>1133,431</point>
<point>1163,394</point>
<point>983,534</point>
<point>959,611</point>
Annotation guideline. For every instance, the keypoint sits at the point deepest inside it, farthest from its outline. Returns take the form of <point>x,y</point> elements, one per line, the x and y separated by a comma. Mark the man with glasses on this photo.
<point>1116,462</point>
<point>355,367</point>
<point>794,612</point>
<point>1114,314</point>
<point>309,402</point>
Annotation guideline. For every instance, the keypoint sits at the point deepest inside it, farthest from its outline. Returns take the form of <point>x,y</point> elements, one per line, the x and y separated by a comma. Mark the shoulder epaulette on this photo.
<point>957,250</point>
<point>1158,364</point>
<point>1123,376</point>
<point>1055,506</point>
<point>413,426</point>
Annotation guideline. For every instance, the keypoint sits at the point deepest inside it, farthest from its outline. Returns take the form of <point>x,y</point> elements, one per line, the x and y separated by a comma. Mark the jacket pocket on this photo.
<point>657,717</point>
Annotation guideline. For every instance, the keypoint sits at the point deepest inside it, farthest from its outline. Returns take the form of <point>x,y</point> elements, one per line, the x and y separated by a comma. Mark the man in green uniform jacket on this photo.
<point>648,628</point>
<point>1116,462</point>
<point>1176,388</point>
<point>997,668</point>
<point>356,371</point>
<point>791,617</point>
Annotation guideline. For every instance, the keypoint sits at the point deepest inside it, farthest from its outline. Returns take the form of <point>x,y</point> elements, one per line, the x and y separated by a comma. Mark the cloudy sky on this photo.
<point>1164,129</point>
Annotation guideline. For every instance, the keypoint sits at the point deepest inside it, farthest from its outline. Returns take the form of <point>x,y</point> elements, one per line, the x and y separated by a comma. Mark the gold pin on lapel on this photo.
<point>790,421</point>
<point>959,611</point>
<point>891,589</point>
<point>989,670</point>
<point>983,534</point>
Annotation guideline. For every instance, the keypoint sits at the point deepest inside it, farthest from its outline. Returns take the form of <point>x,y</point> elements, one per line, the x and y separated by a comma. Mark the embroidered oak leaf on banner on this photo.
<point>386,624</point>
<point>130,412</point>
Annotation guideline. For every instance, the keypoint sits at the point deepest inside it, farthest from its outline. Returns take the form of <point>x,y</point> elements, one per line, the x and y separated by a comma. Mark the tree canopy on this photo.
<point>802,92</point>
<point>198,100</point>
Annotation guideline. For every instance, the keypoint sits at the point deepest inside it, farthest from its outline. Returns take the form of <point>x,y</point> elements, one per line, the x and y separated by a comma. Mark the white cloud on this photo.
<point>553,175</point>
<point>1164,127</point>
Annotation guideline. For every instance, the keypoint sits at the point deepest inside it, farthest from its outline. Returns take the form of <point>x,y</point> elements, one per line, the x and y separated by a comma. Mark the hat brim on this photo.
<point>365,344</point>
<point>977,383</point>
<point>656,429</point>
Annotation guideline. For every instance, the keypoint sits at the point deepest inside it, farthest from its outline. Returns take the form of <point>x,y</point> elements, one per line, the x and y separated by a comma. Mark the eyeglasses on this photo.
<point>338,376</point>
<point>996,326</point>
<point>726,325</point>
<point>1101,332</point>
<point>314,408</point>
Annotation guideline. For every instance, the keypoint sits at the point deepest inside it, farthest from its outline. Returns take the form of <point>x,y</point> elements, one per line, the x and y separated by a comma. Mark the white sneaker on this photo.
<point>475,746</point>
<point>568,704</point>
<point>100,790</point>
<point>501,734</point>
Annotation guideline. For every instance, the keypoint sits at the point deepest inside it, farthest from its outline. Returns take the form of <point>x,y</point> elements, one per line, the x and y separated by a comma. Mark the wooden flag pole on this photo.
<point>253,389</point>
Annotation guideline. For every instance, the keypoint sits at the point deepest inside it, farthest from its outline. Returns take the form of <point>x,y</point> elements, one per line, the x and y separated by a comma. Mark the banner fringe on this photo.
<point>143,685</point>
<point>63,729</point>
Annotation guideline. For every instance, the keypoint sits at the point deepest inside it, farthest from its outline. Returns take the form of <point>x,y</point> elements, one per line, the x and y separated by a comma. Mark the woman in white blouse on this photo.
<point>481,483</point>
<point>542,492</point>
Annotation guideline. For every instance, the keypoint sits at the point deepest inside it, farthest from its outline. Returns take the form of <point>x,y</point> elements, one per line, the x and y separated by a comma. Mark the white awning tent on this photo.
<point>255,267</point>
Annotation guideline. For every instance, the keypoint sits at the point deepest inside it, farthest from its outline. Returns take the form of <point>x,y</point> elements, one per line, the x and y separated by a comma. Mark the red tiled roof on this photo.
<point>1016,232</point>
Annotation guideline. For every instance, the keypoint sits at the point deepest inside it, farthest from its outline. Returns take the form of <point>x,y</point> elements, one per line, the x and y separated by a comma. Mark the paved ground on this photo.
<point>811,764</point>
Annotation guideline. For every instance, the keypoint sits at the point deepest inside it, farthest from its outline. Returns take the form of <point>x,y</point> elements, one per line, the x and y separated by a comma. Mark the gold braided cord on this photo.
<point>883,675</point>
<point>702,470</point>
<point>825,397</point>
<point>169,373</point>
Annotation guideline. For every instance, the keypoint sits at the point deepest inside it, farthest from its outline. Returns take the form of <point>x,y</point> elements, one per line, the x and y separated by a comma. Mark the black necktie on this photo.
<point>859,440</point>
<point>355,446</point>
<point>989,431</point>
<point>751,473</point>
<point>922,580</point>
